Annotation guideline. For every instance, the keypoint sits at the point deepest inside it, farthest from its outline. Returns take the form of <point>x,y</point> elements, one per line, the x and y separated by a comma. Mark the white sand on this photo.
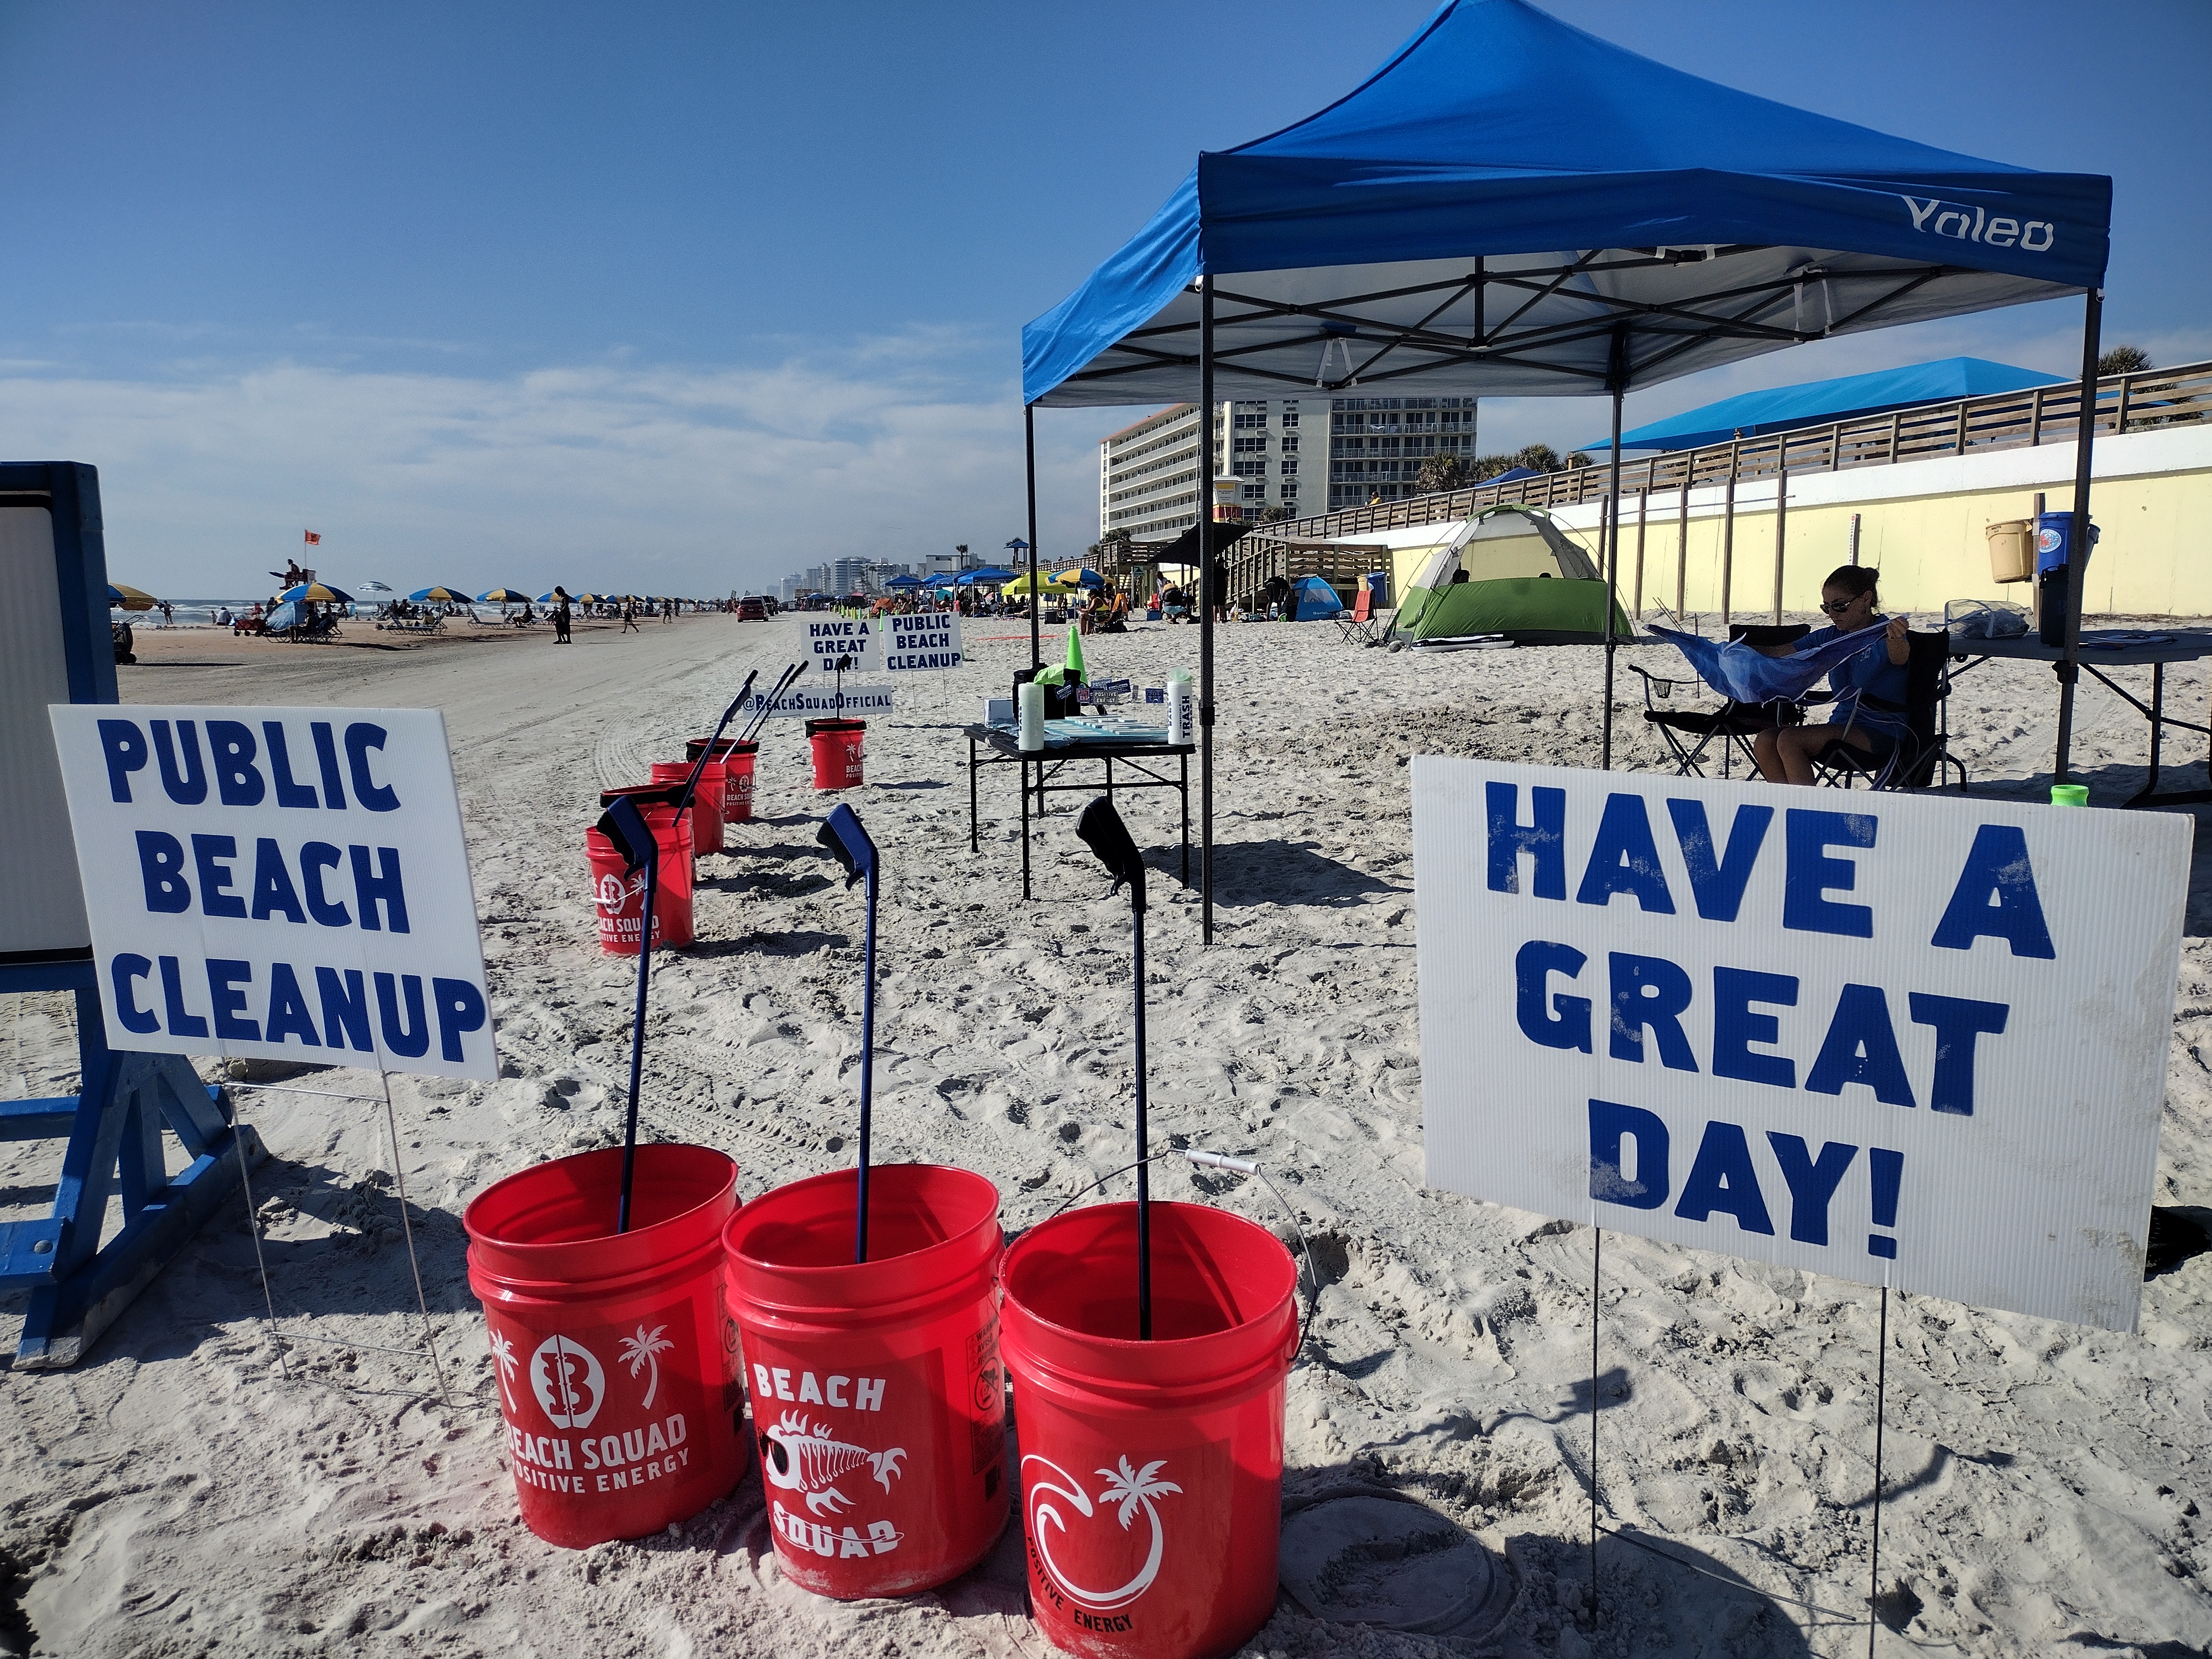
<point>173,1496</point>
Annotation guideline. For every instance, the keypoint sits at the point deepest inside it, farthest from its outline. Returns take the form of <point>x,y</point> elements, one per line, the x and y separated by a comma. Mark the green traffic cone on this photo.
<point>1074,655</point>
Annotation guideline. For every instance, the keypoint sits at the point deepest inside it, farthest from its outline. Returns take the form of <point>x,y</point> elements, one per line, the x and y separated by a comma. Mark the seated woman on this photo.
<point>1869,706</point>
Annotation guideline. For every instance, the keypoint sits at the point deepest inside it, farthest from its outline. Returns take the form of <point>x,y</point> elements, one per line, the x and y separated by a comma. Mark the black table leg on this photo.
<point>1025,819</point>
<point>975,844</point>
<point>2157,721</point>
<point>1182,789</point>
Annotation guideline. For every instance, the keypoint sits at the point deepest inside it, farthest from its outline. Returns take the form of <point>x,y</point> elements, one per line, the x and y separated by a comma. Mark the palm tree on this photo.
<point>1440,470</point>
<point>1130,1487</point>
<point>639,1351</point>
<point>503,1350</point>
<point>2124,359</point>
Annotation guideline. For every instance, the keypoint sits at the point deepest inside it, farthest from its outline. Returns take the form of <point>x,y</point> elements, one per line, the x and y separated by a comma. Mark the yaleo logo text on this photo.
<point>1937,218</point>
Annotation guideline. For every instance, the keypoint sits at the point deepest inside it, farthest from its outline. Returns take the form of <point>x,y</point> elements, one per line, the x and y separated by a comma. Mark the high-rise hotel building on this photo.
<point>1310,455</point>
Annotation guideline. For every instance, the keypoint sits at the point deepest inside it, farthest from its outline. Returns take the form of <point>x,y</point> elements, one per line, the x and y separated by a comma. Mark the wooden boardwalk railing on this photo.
<point>2144,402</point>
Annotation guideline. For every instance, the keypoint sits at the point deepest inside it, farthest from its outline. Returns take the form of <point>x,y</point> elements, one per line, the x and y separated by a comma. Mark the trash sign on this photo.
<point>278,883</point>
<point>1896,1039</point>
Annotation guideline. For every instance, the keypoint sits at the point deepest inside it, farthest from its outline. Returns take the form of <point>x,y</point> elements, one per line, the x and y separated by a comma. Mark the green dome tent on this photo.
<point>1508,570</point>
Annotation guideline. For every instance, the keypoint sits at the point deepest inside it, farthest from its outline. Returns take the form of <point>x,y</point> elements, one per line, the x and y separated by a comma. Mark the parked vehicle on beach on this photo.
<point>753,609</point>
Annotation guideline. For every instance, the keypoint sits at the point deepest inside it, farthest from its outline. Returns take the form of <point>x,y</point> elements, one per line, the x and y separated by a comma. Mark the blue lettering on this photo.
<point>326,761</point>
<point>1997,895</point>
<point>123,973</point>
<point>288,793</point>
<point>1722,1178</point>
<point>1624,860</point>
<point>228,1002</point>
<point>180,1022</point>
<point>1649,991</point>
<point>162,867</point>
<point>187,787</point>
<point>1717,888</point>
<point>361,737</point>
<point>1736,1028</point>
<point>1812,875</point>
<point>368,889</point>
<point>1861,1047</point>
<point>288,1008</point>
<point>460,1009</point>
<point>273,892</point>
<point>210,853</point>
<point>1545,840</point>
<point>345,1009</point>
<point>1556,1022</point>
<point>412,1040</point>
<point>124,746</point>
<point>316,857</point>
<point>1812,1182</point>
<point>232,749</point>
<point>1958,1021</point>
<point>1609,1124</point>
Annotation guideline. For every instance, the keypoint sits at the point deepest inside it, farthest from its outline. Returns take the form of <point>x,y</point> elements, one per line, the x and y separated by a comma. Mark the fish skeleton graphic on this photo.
<point>807,1460</point>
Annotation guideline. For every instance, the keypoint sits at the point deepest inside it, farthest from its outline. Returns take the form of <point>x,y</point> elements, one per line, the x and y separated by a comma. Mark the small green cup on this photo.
<point>2069,794</point>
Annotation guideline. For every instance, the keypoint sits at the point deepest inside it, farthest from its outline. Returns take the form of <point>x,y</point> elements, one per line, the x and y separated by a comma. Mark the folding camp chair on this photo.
<point>1924,758</point>
<point>1689,733</point>
<point>1362,624</point>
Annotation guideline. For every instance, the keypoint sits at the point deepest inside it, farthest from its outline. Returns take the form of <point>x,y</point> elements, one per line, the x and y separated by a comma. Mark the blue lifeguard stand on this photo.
<point>55,646</point>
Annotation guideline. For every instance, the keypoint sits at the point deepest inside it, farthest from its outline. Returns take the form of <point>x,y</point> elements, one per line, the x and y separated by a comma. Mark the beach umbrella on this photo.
<point>440,595</point>
<point>848,839</point>
<point>130,598</point>
<point>374,587</point>
<point>1023,584</point>
<point>1081,575</point>
<point>283,618</point>
<point>315,592</point>
<point>503,596</point>
<point>1102,830</point>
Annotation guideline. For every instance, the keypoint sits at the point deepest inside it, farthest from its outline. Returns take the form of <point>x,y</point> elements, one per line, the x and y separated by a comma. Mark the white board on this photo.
<point>1891,1038</point>
<point>926,643</point>
<point>279,884</point>
<point>43,914</point>
<point>820,702</point>
<point>832,640</point>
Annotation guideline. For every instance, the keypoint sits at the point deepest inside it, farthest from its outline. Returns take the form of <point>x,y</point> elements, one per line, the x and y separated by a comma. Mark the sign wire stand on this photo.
<point>1881,1404</point>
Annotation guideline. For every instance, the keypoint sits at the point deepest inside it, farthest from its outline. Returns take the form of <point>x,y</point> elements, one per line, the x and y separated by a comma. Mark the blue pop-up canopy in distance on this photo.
<point>1481,212</point>
<point>1782,408</point>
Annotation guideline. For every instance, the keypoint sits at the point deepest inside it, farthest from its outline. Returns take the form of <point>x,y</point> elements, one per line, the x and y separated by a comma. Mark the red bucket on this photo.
<point>876,1387</point>
<point>619,895</point>
<point>617,1364</point>
<point>836,752</point>
<point>737,760</point>
<point>706,813</point>
<point>1151,1472</point>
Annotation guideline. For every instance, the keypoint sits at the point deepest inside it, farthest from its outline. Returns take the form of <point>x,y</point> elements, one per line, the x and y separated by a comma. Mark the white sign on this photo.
<point>831,640</point>
<point>821,703</point>
<point>917,644</point>
<point>1894,1039</point>
<point>278,883</point>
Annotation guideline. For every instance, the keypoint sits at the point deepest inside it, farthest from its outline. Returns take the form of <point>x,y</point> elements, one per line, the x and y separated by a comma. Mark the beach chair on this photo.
<point>1362,624</point>
<point>1923,760</point>
<point>1690,734</point>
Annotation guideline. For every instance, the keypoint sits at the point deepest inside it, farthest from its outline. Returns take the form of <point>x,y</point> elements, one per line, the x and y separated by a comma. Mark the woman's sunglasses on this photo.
<point>1840,606</point>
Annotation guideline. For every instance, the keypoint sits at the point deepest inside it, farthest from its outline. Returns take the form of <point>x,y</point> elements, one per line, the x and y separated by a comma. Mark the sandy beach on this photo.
<point>174,1495</point>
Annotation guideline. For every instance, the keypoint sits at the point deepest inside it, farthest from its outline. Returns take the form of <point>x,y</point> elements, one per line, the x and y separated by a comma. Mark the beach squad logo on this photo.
<point>807,1459</point>
<point>1128,1490</point>
<point>569,1382</point>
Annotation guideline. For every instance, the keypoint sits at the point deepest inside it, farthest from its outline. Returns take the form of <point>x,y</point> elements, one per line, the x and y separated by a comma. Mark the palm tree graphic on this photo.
<point>503,1350</point>
<point>639,1351</point>
<point>1130,1487</point>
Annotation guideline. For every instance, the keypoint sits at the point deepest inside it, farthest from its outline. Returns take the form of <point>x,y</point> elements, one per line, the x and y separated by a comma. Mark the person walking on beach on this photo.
<point>629,617</point>
<point>560,616</point>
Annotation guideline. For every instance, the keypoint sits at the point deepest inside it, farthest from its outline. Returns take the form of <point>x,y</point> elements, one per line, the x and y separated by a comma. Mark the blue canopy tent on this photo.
<point>1818,403</point>
<point>903,583</point>
<point>1510,206</point>
<point>989,577</point>
<point>1312,599</point>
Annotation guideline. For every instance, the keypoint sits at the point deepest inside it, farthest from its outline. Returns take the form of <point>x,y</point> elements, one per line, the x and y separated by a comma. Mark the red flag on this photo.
<point>314,538</point>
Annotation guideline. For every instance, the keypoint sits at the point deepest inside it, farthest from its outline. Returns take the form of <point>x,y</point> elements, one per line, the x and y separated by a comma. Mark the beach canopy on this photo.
<point>1313,599</point>
<point>906,583</point>
<point>1507,194</point>
<point>440,595</point>
<point>1819,403</point>
<point>130,598</point>
<point>502,596</point>
<point>989,577</point>
<point>315,592</point>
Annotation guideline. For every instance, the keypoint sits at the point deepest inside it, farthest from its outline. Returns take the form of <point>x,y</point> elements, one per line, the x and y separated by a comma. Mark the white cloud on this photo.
<point>668,478</point>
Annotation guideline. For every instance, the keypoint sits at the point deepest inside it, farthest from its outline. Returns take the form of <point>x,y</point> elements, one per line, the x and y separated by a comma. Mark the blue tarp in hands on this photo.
<point>1739,670</point>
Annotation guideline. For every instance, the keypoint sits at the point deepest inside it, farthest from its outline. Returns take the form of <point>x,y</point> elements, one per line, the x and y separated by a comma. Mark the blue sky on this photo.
<point>541,293</point>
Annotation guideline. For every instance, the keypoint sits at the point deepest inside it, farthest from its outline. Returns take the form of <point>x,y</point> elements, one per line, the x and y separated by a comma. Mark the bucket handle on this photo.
<point>1240,1166</point>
